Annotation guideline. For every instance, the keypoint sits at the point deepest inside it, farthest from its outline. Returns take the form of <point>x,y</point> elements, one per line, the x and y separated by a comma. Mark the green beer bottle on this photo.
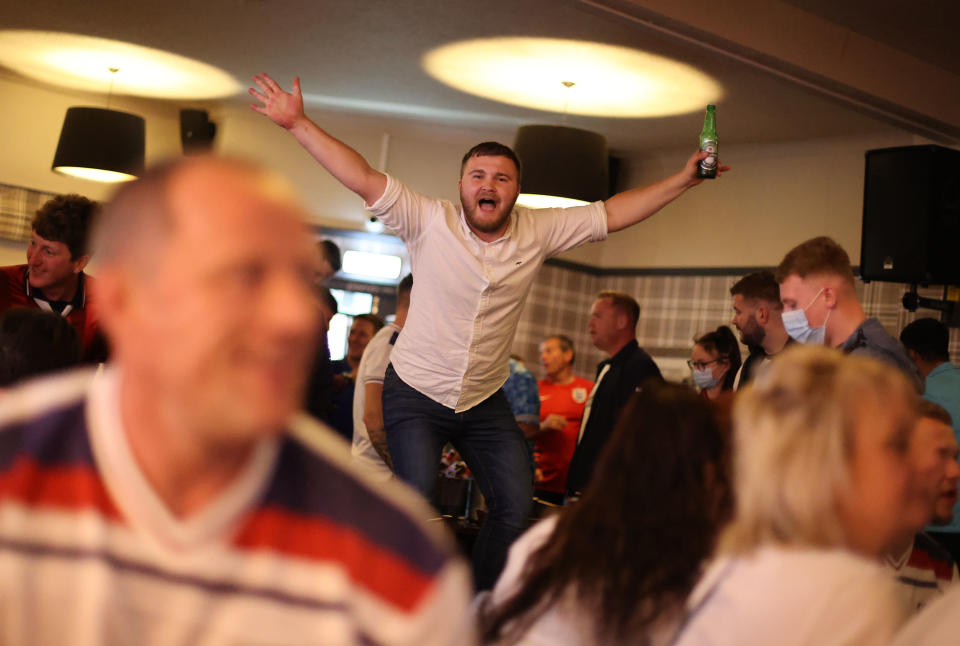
<point>707,168</point>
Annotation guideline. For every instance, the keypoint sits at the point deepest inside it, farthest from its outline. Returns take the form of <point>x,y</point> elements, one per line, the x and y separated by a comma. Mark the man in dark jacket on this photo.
<point>613,323</point>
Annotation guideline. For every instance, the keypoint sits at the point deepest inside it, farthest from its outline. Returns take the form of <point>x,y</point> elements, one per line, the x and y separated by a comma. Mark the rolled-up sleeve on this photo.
<point>401,209</point>
<point>564,229</point>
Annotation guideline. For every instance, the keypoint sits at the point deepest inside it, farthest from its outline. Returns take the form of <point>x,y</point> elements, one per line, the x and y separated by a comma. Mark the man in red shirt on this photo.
<point>562,398</point>
<point>53,278</point>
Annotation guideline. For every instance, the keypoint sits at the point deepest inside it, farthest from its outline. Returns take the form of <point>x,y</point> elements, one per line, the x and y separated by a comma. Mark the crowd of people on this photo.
<point>177,494</point>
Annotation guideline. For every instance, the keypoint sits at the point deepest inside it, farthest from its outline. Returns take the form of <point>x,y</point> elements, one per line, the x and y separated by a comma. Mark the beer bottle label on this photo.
<point>708,146</point>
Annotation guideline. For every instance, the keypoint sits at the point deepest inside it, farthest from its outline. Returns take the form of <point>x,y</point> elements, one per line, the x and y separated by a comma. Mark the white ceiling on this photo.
<point>363,57</point>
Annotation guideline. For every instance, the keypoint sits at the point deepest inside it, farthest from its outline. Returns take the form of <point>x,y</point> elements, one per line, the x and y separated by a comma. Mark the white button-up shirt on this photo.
<point>468,294</point>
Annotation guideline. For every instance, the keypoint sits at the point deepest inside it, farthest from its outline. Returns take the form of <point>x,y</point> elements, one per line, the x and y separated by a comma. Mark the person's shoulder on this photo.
<point>938,623</point>
<point>12,278</point>
<point>580,382</point>
<point>44,421</point>
<point>24,404</point>
<point>383,336</point>
<point>320,491</point>
<point>928,554</point>
<point>641,360</point>
<point>819,568</point>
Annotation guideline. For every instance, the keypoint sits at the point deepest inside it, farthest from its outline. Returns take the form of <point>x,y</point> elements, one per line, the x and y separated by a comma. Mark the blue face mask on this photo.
<point>704,378</point>
<point>798,327</point>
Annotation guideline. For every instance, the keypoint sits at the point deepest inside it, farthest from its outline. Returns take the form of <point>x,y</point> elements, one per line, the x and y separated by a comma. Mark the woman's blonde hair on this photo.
<point>794,431</point>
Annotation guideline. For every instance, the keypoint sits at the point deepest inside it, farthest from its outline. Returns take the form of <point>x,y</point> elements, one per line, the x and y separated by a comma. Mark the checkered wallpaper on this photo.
<point>17,206</point>
<point>673,310</point>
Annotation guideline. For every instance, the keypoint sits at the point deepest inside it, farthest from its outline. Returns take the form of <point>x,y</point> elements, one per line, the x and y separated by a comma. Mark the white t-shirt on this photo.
<point>373,366</point>
<point>566,622</point>
<point>936,625</point>
<point>793,596</point>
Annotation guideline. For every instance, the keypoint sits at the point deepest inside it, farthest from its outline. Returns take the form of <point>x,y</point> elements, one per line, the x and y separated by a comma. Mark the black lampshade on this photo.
<point>102,145</point>
<point>563,162</point>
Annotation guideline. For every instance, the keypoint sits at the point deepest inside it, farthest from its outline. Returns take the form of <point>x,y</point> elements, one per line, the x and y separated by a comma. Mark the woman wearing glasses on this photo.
<point>715,360</point>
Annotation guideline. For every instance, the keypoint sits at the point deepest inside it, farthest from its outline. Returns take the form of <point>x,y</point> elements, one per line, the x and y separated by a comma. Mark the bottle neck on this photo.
<point>710,122</point>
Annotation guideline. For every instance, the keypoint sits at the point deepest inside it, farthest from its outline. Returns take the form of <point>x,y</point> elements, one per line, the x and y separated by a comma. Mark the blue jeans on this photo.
<point>490,442</point>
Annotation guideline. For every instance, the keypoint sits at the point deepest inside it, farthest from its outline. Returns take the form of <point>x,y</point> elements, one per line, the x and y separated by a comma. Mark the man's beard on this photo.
<point>752,334</point>
<point>485,226</point>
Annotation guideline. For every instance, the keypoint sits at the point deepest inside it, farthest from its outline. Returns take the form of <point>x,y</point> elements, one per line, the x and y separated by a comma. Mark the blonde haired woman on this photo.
<point>822,486</point>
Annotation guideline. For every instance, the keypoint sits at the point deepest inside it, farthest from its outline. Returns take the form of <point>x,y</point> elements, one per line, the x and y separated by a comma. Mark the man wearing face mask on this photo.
<point>820,306</point>
<point>757,316</point>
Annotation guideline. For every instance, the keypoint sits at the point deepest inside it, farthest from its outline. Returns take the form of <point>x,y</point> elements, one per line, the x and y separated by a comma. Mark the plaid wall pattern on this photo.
<point>673,310</point>
<point>17,206</point>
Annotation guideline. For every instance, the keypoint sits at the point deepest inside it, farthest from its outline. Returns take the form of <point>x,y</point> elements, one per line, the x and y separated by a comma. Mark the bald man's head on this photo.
<point>206,290</point>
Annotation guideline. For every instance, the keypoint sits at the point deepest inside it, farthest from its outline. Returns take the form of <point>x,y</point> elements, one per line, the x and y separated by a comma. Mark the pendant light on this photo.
<point>562,166</point>
<point>101,144</point>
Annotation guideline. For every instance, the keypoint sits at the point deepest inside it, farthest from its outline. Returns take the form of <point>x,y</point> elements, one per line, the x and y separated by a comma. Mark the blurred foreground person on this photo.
<point>616,567</point>
<point>823,487</point>
<point>34,343</point>
<point>162,501</point>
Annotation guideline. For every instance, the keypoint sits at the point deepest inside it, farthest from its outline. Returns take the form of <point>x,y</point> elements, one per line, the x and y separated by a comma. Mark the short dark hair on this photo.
<point>624,303</point>
<point>929,410</point>
<point>758,286</point>
<point>927,337</point>
<point>66,219</point>
<point>331,253</point>
<point>373,319</point>
<point>405,285</point>
<point>820,255</point>
<point>493,149</point>
<point>566,345</point>
<point>35,342</point>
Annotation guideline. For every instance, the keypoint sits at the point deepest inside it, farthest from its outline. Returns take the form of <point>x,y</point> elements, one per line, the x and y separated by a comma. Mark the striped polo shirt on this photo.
<point>297,550</point>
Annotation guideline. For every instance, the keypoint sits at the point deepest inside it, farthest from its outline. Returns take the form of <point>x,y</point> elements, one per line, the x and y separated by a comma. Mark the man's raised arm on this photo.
<point>629,207</point>
<point>340,160</point>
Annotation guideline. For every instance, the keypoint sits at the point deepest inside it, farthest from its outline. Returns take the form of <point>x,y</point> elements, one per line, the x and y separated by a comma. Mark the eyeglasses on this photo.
<point>700,365</point>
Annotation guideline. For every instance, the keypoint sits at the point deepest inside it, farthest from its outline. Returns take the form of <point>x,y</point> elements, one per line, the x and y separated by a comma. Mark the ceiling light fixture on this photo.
<point>613,81</point>
<point>78,62</point>
<point>101,144</point>
<point>562,166</point>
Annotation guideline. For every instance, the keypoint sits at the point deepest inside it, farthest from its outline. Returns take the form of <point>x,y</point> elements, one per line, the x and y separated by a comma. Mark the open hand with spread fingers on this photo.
<point>283,108</point>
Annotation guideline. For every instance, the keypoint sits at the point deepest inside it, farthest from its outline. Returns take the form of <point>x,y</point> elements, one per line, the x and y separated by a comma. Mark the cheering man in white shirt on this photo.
<point>474,265</point>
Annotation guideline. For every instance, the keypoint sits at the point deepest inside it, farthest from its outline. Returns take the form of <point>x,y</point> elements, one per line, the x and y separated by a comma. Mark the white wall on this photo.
<point>775,196</point>
<point>31,116</point>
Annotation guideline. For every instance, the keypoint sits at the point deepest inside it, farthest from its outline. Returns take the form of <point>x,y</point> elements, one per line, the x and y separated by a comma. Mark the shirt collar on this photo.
<point>79,298</point>
<point>624,351</point>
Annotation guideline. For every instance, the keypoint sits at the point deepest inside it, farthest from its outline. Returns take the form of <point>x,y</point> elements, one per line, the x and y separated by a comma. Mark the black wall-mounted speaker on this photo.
<point>196,132</point>
<point>911,215</point>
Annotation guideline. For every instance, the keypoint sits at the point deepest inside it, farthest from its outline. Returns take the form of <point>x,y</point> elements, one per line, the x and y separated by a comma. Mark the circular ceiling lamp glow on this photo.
<point>81,63</point>
<point>610,81</point>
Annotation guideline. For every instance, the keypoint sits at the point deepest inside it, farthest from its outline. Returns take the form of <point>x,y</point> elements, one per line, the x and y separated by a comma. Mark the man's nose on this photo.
<point>953,470</point>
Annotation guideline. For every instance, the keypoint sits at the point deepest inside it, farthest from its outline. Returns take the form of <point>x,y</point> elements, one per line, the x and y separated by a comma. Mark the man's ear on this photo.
<point>80,263</point>
<point>622,321</point>
<point>830,297</point>
<point>762,315</point>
